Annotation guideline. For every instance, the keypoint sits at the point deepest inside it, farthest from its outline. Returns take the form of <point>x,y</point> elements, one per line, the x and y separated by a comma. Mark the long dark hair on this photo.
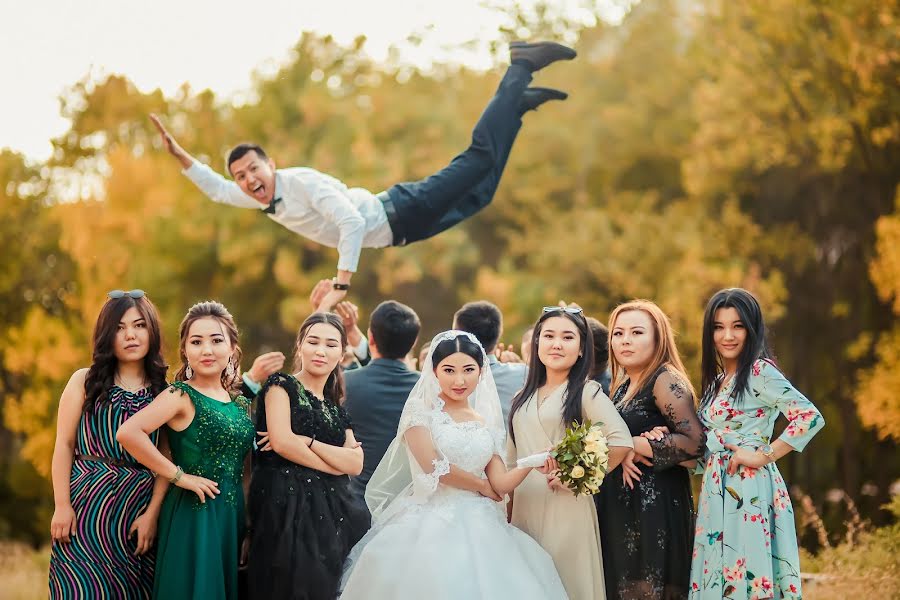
<point>101,375</point>
<point>217,311</point>
<point>460,343</point>
<point>756,345</point>
<point>334,386</point>
<point>537,371</point>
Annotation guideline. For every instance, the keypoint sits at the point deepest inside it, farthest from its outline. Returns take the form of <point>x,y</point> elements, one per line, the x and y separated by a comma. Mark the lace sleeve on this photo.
<point>685,439</point>
<point>414,419</point>
<point>429,463</point>
<point>428,482</point>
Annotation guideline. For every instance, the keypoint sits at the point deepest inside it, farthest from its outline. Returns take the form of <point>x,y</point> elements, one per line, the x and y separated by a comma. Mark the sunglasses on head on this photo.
<point>116,294</point>
<point>572,310</point>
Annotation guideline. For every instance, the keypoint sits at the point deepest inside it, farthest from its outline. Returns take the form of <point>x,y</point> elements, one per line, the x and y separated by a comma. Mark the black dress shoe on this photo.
<point>535,96</point>
<point>539,54</point>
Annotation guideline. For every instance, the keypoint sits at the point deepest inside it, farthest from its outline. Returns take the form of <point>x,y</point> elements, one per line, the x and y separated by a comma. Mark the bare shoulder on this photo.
<point>79,376</point>
<point>171,394</point>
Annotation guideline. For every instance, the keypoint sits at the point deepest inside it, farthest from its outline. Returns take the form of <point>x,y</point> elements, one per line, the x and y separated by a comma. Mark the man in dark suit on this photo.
<point>376,393</point>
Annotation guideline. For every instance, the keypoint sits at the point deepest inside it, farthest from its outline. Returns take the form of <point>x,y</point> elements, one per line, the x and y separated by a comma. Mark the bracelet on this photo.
<point>311,440</point>
<point>178,473</point>
<point>339,286</point>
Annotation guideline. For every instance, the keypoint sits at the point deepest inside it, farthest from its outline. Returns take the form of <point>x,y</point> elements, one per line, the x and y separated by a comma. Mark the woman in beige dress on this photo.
<point>556,393</point>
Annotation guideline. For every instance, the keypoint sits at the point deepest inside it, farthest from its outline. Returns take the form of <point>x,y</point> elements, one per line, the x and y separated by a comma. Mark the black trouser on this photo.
<point>421,209</point>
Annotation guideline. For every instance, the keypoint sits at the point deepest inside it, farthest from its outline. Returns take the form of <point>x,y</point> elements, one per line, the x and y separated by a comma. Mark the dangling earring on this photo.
<point>229,370</point>
<point>188,372</point>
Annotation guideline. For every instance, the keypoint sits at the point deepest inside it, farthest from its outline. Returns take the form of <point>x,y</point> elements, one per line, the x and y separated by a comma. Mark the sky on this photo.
<point>48,45</point>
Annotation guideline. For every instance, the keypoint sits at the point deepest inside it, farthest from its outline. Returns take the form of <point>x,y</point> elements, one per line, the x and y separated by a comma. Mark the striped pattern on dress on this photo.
<point>100,561</point>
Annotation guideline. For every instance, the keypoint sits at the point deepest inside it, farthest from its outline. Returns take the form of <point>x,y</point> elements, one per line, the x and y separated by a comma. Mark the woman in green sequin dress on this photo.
<point>201,523</point>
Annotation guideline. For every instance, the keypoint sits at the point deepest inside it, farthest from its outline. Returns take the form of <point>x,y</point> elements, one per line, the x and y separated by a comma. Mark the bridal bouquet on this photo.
<point>583,458</point>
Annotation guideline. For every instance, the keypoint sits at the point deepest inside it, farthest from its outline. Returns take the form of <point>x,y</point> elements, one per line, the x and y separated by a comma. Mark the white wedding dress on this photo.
<point>436,542</point>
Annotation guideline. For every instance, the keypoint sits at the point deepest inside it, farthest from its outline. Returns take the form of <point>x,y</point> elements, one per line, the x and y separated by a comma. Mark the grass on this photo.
<point>866,565</point>
<point>23,572</point>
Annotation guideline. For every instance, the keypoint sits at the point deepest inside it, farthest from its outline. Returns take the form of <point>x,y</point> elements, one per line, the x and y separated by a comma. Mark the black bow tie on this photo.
<point>270,209</point>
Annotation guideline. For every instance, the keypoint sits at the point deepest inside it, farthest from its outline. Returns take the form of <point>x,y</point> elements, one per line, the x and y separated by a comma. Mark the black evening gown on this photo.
<point>303,521</point>
<point>647,533</point>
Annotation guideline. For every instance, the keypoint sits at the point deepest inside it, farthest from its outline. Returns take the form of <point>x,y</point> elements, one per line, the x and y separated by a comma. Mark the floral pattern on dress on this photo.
<point>745,544</point>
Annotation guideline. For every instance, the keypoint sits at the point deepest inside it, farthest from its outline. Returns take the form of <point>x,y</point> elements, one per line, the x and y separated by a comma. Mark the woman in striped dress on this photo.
<point>104,523</point>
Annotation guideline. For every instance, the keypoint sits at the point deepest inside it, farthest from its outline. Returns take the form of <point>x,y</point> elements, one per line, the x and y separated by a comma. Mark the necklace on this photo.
<point>133,389</point>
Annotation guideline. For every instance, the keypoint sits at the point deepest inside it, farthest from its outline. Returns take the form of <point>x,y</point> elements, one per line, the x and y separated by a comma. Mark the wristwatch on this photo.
<point>339,286</point>
<point>767,451</point>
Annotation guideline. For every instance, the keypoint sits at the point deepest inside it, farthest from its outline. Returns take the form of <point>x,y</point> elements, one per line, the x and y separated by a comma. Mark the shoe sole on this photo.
<point>569,52</point>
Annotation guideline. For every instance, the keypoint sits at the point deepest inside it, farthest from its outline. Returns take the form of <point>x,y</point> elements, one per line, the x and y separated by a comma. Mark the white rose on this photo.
<point>596,448</point>
<point>594,435</point>
<point>577,472</point>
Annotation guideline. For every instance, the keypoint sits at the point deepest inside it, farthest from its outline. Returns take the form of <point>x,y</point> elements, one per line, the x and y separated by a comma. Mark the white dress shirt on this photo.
<point>314,205</point>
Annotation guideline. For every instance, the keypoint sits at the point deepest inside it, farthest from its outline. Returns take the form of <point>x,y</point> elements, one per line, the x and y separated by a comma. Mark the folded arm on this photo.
<point>283,440</point>
<point>685,438</point>
<point>418,439</point>
<point>347,459</point>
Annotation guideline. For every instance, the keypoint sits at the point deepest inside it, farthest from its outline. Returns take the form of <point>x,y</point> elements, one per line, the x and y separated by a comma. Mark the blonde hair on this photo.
<point>665,353</point>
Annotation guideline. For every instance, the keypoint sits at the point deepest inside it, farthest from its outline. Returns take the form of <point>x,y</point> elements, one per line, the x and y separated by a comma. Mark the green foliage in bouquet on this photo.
<point>583,458</point>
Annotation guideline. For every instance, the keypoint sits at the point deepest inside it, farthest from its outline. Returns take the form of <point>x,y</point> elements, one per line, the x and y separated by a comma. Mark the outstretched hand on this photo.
<point>506,354</point>
<point>266,364</point>
<point>170,144</point>
<point>330,300</point>
<point>168,141</point>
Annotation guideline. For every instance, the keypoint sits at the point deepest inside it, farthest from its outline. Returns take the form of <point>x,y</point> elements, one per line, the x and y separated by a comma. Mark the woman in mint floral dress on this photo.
<point>745,545</point>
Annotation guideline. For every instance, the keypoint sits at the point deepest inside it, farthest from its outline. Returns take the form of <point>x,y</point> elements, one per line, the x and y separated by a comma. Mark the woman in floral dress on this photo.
<point>745,545</point>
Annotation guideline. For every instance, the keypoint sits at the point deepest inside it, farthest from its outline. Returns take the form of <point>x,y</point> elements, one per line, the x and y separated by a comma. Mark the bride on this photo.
<point>439,527</point>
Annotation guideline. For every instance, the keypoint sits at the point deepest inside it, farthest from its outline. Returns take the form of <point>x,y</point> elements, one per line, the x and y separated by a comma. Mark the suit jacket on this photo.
<point>509,378</point>
<point>375,395</point>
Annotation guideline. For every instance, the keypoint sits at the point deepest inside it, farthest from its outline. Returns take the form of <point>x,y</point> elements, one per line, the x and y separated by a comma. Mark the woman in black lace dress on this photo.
<point>645,508</point>
<point>302,516</point>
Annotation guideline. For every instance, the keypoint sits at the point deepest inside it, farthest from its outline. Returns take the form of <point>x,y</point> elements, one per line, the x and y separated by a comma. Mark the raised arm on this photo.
<point>335,207</point>
<point>216,187</point>
<point>71,405</point>
<point>171,146</point>
<point>685,439</point>
<point>437,469</point>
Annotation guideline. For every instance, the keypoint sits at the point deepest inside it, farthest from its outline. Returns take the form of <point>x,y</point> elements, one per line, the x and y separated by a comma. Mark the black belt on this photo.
<point>393,218</point>
<point>116,462</point>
